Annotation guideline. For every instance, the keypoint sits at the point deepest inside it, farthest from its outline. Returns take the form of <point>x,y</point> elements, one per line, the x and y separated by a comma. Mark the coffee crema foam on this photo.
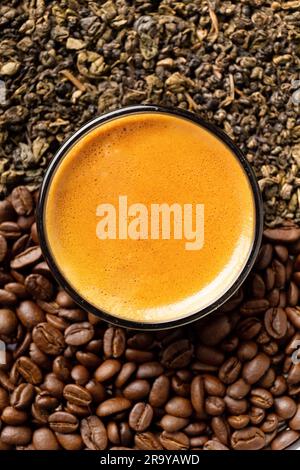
<point>152,158</point>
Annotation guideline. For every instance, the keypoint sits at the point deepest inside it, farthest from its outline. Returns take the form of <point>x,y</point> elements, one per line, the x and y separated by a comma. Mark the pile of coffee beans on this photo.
<point>230,381</point>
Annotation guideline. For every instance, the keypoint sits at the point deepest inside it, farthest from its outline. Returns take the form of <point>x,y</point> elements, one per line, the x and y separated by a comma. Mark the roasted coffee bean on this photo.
<point>113,406</point>
<point>39,286</point>
<point>214,331</point>
<point>276,322</point>
<point>21,200</point>
<point>93,433</point>
<point>16,288</point>
<point>114,342</point>
<point>139,357</point>
<point>292,295</point>
<point>263,337</point>
<point>48,339</point>
<point>281,253</point>
<point>209,355</point>
<point>230,370</point>
<point>221,429</point>
<point>8,322</point>
<point>63,422</point>
<point>80,374</point>
<point>119,433</point>
<point>238,389</point>
<point>4,399</point>
<point>46,401</point>
<point>125,373</point>
<point>179,406</point>
<point>285,439</point>
<point>238,421</point>
<point>76,394</point>
<point>3,248</point>
<point>180,383</point>
<point>10,230</point>
<point>79,334</point>
<point>198,396</point>
<point>38,356</point>
<point>195,429</point>
<point>147,441</point>
<point>270,424</point>
<point>72,314</point>
<point>26,258</point>
<point>141,340</point>
<point>25,222</point>
<point>214,406</point>
<point>137,390</point>
<point>254,369</point>
<point>258,287</point>
<point>293,314</point>
<point>160,390</point>
<point>174,440</point>
<point>22,396</point>
<point>53,385</point>
<point>64,300</point>
<point>294,423</point>
<point>77,410</point>
<point>7,299</point>
<point>97,391</point>
<point>57,322</point>
<point>229,344</point>
<point>284,234</point>
<point>140,417</point>
<point>269,277</point>
<point>171,423</point>
<point>240,376</point>
<point>261,398</point>
<point>268,379</point>
<point>69,441</point>
<point>107,370</point>
<point>254,307</point>
<point>234,302</point>
<point>16,435</point>
<point>88,360</point>
<point>214,445</point>
<point>235,407</point>
<point>279,386</point>
<point>285,407</point>
<point>251,438</point>
<point>177,355</point>
<point>280,274</point>
<point>14,417</point>
<point>7,211</point>
<point>265,256</point>
<point>247,351</point>
<point>44,439</point>
<point>29,370</point>
<point>149,370</point>
<point>199,367</point>
<point>214,386</point>
<point>30,314</point>
<point>198,442</point>
<point>257,415</point>
<point>61,368</point>
<point>249,328</point>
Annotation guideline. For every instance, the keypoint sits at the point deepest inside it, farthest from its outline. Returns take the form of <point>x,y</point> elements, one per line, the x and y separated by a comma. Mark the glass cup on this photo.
<point>56,270</point>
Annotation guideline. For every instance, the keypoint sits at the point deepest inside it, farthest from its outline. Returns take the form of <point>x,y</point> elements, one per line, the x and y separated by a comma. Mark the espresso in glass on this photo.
<point>150,217</point>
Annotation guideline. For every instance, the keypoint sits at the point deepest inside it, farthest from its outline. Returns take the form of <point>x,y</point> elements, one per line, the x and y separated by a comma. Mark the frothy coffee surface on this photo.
<point>152,159</point>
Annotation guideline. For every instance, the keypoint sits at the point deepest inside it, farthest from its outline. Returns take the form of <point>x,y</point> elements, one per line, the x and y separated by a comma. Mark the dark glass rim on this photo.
<point>109,317</point>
